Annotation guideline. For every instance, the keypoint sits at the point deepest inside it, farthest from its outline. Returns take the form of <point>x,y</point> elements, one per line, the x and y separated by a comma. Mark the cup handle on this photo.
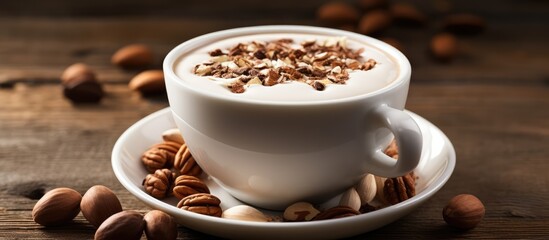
<point>408,138</point>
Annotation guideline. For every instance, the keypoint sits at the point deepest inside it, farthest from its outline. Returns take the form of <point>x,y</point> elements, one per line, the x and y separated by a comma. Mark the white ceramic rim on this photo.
<point>430,190</point>
<point>200,41</point>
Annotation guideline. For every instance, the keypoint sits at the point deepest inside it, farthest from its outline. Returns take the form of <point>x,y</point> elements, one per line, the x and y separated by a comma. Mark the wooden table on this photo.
<point>492,101</point>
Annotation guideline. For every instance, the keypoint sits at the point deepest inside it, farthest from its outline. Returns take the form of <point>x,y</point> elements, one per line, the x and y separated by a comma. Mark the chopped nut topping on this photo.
<point>317,63</point>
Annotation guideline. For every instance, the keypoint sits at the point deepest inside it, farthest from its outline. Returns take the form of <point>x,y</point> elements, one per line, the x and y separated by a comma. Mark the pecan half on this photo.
<point>399,189</point>
<point>159,184</point>
<point>184,162</point>
<point>186,185</point>
<point>336,212</point>
<point>160,155</point>
<point>201,203</point>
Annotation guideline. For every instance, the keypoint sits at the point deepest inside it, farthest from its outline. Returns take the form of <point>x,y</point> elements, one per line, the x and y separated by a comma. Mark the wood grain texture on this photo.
<point>492,102</point>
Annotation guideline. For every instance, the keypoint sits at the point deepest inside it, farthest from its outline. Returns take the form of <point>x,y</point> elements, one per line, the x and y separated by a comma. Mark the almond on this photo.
<point>244,213</point>
<point>466,24</point>
<point>133,56</point>
<point>444,47</point>
<point>148,82</point>
<point>337,13</point>
<point>350,198</point>
<point>98,204</point>
<point>56,207</point>
<point>127,225</point>
<point>406,14</point>
<point>173,135</point>
<point>159,226</point>
<point>374,22</point>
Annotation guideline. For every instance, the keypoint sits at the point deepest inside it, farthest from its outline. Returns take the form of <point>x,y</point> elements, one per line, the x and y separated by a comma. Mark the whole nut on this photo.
<point>159,184</point>
<point>148,82</point>
<point>464,211</point>
<point>350,198</point>
<point>185,163</point>
<point>463,23</point>
<point>98,204</point>
<point>75,70</point>
<point>127,225</point>
<point>159,226</point>
<point>374,22</point>
<point>380,181</point>
<point>186,185</point>
<point>444,47</point>
<point>173,135</point>
<point>300,211</point>
<point>406,14</point>
<point>133,56</point>
<point>367,188</point>
<point>201,203</point>
<point>83,89</point>
<point>58,206</point>
<point>337,13</point>
<point>244,213</point>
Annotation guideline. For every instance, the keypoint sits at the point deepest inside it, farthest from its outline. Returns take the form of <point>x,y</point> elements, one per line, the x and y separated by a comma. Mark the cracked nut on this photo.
<point>367,188</point>
<point>300,211</point>
<point>186,185</point>
<point>159,184</point>
<point>201,203</point>
<point>58,206</point>
<point>123,225</point>
<point>98,204</point>
<point>159,226</point>
<point>185,163</point>
<point>244,213</point>
<point>336,212</point>
<point>464,211</point>
<point>160,156</point>
<point>133,56</point>
<point>396,190</point>
<point>173,135</point>
<point>350,198</point>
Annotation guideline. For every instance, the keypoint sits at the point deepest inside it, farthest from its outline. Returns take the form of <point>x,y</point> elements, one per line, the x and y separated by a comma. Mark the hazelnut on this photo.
<point>367,188</point>
<point>244,213</point>
<point>98,204</point>
<point>173,135</point>
<point>56,207</point>
<point>75,70</point>
<point>444,46</point>
<point>148,82</point>
<point>159,226</point>
<point>464,211</point>
<point>350,198</point>
<point>133,56</point>
<point>300,211</point>
<point>123,225</point>
<point>80,84</point>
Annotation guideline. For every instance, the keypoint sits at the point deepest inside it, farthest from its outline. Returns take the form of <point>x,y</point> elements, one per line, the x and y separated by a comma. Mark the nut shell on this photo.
<point>128,225</point>
<point>98,204</point>
<point>133,56</point>
<point>464,211</point>
<point>159,226</point>
<point>58,206</point>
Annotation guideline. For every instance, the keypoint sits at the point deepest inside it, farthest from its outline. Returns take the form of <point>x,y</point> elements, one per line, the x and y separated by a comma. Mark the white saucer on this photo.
<point>436,166</point>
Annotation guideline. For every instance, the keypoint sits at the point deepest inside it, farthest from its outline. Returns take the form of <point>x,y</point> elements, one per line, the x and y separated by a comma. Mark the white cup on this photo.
<point>325,148</point>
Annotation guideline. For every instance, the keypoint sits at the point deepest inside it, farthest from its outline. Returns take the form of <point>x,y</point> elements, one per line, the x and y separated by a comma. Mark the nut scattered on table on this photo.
<point>173,135</point>
<point>148,82</point>
<point>186,185</point>
<point>367,188</point>
<point>58,206</point>
<point>336,212</point>
<point>374,22</point>
<point>464,211</point>
<point>127,225</point>
<point>160,183</point>
<point>185,163</point>
<point>201,203</point>
<point>336,13</point>
<point>133,56</point>
<point>444,47</point>
<point>160,226</point>
<point>244,213</point>
<point>350,198</point>
<point>98,204</point>
<point>80,84</point>
<point>300,211</point>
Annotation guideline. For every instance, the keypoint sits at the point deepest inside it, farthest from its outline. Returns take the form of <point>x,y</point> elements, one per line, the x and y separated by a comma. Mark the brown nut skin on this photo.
<point>133,56</point>
<point>58,206</point>
<point>464,211</point>
<point>201,203</point>
<point>185,163</point>
<point>444,47</point>
<point>75,70</point>
<point>159,226</point>
<point>148,82</point>
<point>98,204</point>
<point>334,13</point>
<point>128,225</point>
<point>83,89</point>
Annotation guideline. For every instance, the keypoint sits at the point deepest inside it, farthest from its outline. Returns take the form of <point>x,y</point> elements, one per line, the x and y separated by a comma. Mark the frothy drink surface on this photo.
<point>359,81</point>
